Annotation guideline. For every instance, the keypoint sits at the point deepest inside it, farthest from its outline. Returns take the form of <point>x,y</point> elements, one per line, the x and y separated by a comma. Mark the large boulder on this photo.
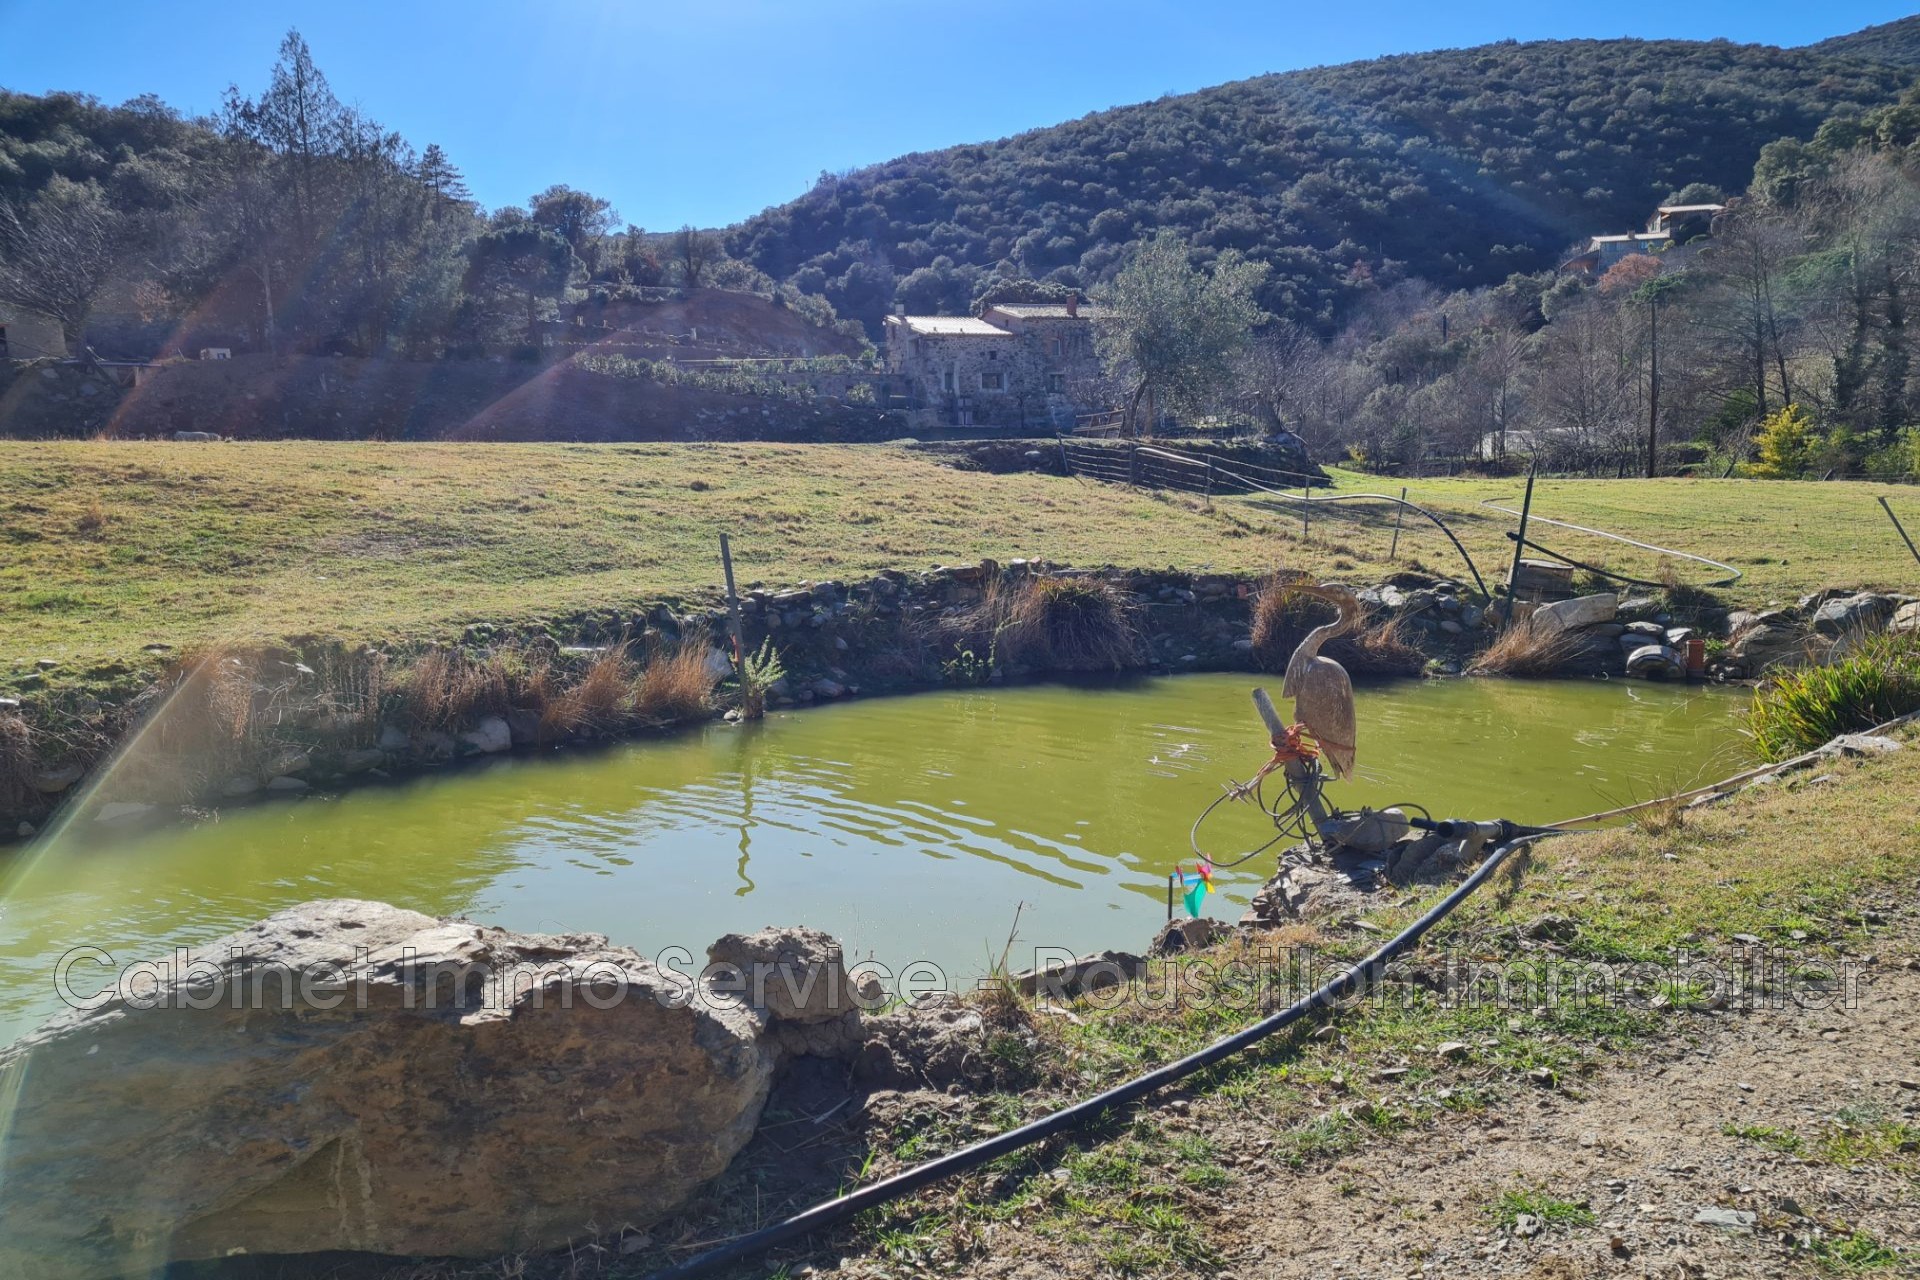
<point>1864,611</point>
<point>350,1076</point>
<point>1770,644</point>
<point>1906,618</point>
<point>1581,611</point>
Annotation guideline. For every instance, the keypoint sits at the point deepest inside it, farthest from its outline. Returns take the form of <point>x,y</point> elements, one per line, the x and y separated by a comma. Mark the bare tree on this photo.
<point>57,252</point>
<point>695,252</point>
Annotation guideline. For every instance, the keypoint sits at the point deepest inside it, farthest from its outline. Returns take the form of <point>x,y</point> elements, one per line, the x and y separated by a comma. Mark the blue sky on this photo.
<point>707,112</point>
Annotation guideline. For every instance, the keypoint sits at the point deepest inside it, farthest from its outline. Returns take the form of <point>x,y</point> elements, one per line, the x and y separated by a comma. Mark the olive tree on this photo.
<point>1174,332</point>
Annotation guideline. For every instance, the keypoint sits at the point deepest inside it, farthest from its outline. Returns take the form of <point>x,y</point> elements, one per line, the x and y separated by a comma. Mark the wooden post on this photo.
<point>1898,526</point>
<point>733,616</point>
<point>1519,547</point>
<point>1306,510</point>
<point>1305,777</point>
<point>1133,463</point>
<point>1398,512</point>
<point>1209,482</point>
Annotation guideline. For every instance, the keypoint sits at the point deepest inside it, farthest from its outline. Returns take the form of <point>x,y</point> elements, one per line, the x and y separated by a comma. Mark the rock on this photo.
<point>719,665</point>
<point>1581,611</point>
<point>1861,744</point>
<point>1453,1050</point>
<point>1652,630</point>
<point>13,704</point>
<point>286,760</point>
<point>1739,620</point>
<point>1610,630</point>
<point>1451,626</point>
<point>1906,618</point>
<point>1552,927</point>
<point>24,831</point>
<point>239,787</point>
<point>1187,935</point>
<point>392,738</point>
<point>287,785</point>
<point>1636,608</point>
<point>53,781</point>
<point>792,974</point>
<point>1726,1219</point>
<point>523,726</point>
<point>196,437</point>
<point>935,1041</point>
<point>1766,645</point>
<point>490,737</point>
<point>361,759</point>
<point>47,664</point>
<point>1656,662</point>
<point>1064,979</point>
<point>825,688</point>
<point>1862,612</point>
<point>1526,1226</point>
<point>120,813</point>
<point>381,1112</point>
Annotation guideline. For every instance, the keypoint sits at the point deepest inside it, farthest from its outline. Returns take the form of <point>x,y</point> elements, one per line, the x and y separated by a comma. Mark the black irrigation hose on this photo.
<point>1352,982</point>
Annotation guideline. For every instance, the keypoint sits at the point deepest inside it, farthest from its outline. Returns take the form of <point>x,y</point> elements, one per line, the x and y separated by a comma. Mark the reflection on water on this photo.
<point>910,827</point>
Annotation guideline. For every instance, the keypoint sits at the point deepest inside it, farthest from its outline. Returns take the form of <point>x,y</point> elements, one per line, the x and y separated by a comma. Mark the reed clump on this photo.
<point>16,759</point>
<point>1799,709</point>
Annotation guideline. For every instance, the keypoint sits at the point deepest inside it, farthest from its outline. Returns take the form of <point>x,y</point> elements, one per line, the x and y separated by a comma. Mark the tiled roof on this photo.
<point>1045,310</point>
<point>951,326</point>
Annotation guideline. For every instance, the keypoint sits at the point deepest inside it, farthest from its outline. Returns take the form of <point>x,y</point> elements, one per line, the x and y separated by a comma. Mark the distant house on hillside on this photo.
<point>26,334</point>
<point>1670,227</point>
<point>1018,365</point>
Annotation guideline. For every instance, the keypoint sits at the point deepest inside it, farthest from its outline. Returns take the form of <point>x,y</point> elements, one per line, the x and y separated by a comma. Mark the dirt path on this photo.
<point>1645,1149</point>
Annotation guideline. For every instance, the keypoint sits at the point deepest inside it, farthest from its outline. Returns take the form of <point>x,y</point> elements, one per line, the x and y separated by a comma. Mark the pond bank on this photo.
<point>316,715</point>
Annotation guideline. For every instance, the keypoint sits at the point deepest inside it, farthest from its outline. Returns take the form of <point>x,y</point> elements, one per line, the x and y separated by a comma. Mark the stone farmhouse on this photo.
<point>1017,365</point>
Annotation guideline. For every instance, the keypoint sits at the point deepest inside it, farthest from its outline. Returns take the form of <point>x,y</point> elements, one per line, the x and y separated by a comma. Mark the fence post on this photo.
<point>1133,463</point>
<point>1897,525</point>
<point>1209,482</point>
<point>733,616</point>
<point>1306,510</point>
<point>1398,512</point>
<point>1066,467</point>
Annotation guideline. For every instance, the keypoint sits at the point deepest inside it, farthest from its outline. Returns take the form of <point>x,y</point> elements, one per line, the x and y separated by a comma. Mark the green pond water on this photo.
<point>911,827</point>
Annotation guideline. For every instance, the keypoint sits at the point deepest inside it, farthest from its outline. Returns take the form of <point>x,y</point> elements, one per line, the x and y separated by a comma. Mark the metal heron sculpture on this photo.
<point>1321,691</point>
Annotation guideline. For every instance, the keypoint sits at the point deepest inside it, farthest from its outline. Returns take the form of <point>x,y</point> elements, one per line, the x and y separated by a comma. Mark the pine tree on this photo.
<point>445,183</point>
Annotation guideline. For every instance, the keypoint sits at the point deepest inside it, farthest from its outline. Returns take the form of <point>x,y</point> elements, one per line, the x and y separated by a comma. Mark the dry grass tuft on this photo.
<point>1051,624</point>
<point>447,690</point>
<point>600,701</point>
<point>1282,617</point>
<point>16,759</point>
<point>675,685</point>
<point>1525,649</point>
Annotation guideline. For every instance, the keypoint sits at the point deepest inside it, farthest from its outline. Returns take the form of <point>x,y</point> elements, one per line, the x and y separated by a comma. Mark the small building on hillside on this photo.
<point>1683,222</point>
<point>1018,365</point>
<point>26,334</point>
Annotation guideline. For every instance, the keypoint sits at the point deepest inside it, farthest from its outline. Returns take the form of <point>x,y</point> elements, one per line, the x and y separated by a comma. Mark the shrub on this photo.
<point>759,673</point>
<point>1802,708</point>
<point>1783,443</point>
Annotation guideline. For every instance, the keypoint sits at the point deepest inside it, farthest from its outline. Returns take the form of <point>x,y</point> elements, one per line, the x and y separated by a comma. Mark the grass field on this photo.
<point>112,546</point>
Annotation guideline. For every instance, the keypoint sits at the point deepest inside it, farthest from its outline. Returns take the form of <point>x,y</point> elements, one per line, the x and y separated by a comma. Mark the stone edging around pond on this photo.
<point>899,631</point>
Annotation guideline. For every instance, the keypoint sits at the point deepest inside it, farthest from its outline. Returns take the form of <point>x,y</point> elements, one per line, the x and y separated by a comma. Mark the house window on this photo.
<point>1056,384</point>
<point>946,379</point>
<point>995,381</point>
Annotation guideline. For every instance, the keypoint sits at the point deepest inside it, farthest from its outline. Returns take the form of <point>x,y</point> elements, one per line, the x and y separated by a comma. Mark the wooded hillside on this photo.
<point>1459,166</point>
